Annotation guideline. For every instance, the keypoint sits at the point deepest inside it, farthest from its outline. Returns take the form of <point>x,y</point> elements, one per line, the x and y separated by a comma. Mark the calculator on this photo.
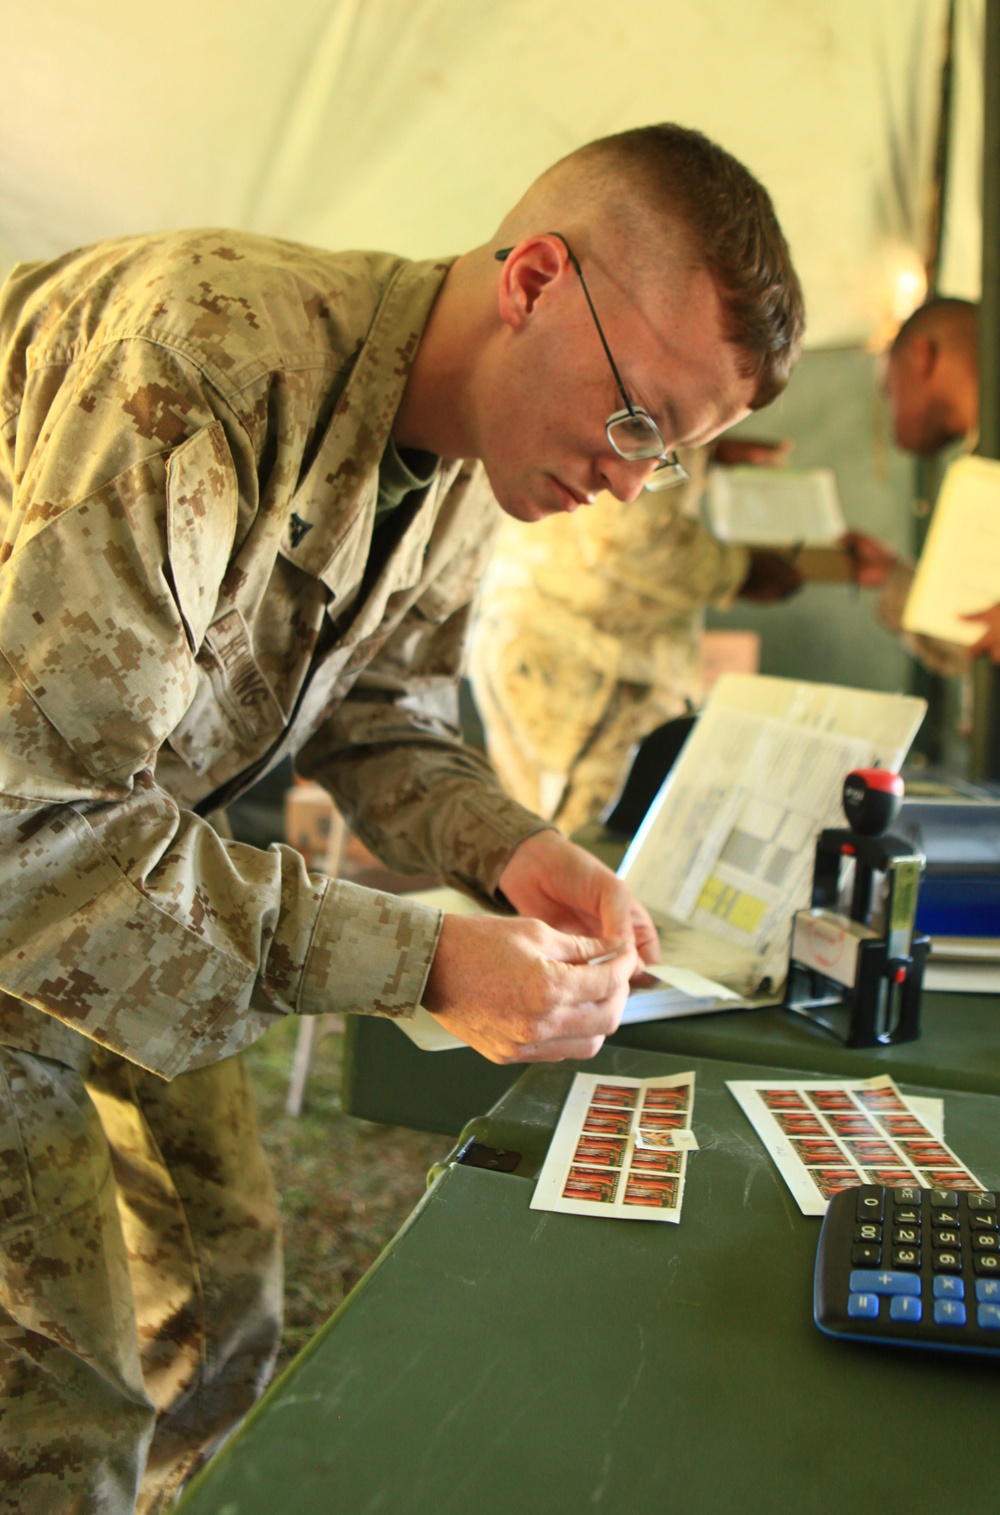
<point>911,1267</point>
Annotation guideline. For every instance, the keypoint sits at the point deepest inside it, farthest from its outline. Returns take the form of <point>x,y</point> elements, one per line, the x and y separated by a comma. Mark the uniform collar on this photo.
<point>342,480</point>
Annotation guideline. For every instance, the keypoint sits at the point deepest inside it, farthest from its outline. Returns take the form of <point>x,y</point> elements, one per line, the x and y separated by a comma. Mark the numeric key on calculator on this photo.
<point>870,1202</point>
<point>917,1269</point>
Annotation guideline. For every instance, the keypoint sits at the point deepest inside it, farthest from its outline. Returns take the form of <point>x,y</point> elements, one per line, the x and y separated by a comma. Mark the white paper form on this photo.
<point>959,568</point>
<point>774,507</point>
<point>620,1149</point>
<point>725,855</point>
<point>832,1134</point>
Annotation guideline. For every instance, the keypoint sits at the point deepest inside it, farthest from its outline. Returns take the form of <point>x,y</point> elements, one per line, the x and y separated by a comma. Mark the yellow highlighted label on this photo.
<point>747,913</point>
<point>744,911</point>
<point>711,896</point>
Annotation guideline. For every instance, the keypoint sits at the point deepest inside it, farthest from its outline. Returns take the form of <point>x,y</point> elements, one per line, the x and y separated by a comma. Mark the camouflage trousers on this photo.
<point>140,1279</point>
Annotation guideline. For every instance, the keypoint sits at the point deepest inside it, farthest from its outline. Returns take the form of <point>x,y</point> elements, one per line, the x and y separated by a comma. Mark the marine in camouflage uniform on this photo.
<point>211,556</point>
<point>586,637</point>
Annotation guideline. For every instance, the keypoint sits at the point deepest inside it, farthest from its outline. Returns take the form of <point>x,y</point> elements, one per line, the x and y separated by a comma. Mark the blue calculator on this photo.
<point>911,1267</point>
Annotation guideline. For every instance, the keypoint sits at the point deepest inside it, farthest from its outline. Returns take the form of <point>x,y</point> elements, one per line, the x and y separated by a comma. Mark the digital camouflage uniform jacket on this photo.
<point>192,426</point>
<point>577,607</point>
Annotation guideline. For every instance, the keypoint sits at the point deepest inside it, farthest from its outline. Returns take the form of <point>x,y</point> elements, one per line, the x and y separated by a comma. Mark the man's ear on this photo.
<point>530,272</point>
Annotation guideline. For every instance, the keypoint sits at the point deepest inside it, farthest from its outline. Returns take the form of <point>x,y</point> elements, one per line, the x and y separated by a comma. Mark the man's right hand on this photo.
<point>520,992</point>
<point>873,560</point>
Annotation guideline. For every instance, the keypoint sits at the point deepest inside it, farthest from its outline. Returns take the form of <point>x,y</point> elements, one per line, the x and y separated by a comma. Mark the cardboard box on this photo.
<point>728,652</point>
<point>314,826</point>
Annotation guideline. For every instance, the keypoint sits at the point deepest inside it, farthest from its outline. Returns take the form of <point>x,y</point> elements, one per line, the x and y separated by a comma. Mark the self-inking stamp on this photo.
<point>859,975</point>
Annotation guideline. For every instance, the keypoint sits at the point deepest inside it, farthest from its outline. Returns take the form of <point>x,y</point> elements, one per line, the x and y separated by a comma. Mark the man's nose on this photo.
<point>623,478</point>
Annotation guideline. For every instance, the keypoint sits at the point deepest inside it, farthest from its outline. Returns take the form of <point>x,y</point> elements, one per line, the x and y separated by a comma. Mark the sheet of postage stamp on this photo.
<point>620,1148</point>
<point>841,1133</point>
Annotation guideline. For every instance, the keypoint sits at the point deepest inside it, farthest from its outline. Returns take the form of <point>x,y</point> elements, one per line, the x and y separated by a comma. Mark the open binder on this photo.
<point>725,855</point>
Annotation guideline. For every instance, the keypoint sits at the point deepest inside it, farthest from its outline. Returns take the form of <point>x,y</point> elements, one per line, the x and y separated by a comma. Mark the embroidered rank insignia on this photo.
<point>297,528</point>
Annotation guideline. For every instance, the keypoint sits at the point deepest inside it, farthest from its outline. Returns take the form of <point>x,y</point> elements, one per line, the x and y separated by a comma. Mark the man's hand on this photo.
<point>989,642</point>
<point>559,883</point>
<point>733,452</point>
<point>519,992</point>
<point>771,577</point>
<point>873,560</point>
<point>524,990</point>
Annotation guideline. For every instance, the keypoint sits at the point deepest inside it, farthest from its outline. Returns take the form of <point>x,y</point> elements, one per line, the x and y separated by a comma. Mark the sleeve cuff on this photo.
<point>494,827</point>
<point>370,953</point>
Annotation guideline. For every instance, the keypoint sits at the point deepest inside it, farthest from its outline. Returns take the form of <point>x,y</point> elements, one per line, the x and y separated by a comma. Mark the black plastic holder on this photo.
<point>857,1017</point>
<point>883,1007</point>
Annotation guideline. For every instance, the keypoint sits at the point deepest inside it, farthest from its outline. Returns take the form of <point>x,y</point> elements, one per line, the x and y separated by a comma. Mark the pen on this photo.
<point>852,553</point>
<point>604,957</point>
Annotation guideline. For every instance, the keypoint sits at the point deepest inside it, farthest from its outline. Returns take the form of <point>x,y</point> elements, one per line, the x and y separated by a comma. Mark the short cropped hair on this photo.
<point>736,236</point>
<point>942,317</point>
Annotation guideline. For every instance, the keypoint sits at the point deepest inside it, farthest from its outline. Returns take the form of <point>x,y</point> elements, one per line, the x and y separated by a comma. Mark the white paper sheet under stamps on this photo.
<point>620,1148</point>
<point>839,1133</point>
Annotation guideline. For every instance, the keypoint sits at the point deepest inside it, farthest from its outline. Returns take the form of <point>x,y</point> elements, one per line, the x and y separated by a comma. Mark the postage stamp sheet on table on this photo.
<point>620,1149</point>
<point>836,1134</point>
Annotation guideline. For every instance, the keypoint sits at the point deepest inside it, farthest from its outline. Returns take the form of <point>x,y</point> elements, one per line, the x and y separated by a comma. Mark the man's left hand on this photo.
<point>873,560</point>
<point>989,642</point>
<point>551,879</point>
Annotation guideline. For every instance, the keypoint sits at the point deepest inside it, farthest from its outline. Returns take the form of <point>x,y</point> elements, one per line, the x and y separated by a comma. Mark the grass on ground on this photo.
<point>345,1185</point>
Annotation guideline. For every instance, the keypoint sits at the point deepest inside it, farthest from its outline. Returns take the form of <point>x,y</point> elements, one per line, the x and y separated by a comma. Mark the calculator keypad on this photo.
<point>918,1266</point>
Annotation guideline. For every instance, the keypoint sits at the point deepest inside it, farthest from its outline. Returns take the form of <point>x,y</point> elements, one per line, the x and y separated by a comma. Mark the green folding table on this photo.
<point>387,1078</point>
<point>503,1361</point>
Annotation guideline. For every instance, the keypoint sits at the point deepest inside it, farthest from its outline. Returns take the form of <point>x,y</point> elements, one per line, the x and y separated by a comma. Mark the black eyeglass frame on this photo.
<point>670,471</point>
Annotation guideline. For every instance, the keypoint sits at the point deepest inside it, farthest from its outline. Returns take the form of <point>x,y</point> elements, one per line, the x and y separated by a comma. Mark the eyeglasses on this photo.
<point>632,432</point>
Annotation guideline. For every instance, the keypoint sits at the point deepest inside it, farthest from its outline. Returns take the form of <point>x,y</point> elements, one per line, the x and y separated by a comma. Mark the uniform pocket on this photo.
<point>202,498</point>
<point>16,1201</point>
<point>92,627</point>
<point>53,1156</point>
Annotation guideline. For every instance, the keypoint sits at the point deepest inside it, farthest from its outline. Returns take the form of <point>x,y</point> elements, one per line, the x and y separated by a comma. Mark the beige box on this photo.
<point>314,826</point>
<point>728,652</point>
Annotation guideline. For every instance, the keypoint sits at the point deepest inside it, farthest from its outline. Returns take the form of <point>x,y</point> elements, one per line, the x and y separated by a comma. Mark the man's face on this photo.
<point>551,389</point>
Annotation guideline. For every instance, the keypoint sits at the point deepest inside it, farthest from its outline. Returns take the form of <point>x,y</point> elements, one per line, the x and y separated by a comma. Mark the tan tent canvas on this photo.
<point>410,125</point>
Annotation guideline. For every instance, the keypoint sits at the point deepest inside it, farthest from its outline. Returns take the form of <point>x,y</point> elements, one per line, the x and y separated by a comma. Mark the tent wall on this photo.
<point>411,125</point>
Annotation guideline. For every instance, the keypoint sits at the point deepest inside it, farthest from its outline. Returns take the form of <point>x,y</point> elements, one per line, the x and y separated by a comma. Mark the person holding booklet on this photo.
<point>932,390</point>
<point>241,518</point>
